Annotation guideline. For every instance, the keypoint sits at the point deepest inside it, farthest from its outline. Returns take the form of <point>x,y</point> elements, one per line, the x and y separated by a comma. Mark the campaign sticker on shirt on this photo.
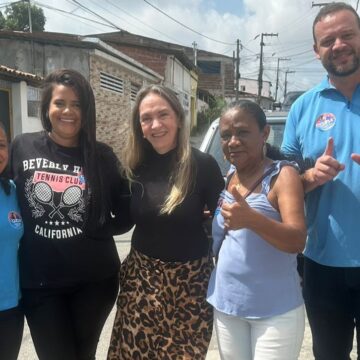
<point>325,121</point>
<point>15,220</point>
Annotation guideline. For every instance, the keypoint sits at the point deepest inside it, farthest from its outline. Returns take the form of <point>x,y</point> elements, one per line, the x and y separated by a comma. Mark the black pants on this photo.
<point>332,299</point>
<point>11,330</point>
<point>66,323</point>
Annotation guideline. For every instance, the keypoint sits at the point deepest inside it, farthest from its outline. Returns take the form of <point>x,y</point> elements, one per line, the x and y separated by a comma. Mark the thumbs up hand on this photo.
<point>326,166</point>
<point>238,214</point>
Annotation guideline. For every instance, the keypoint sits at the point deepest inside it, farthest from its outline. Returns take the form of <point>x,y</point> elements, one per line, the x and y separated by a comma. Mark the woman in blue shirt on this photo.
<point>258,229</point>
<point>11,230</point>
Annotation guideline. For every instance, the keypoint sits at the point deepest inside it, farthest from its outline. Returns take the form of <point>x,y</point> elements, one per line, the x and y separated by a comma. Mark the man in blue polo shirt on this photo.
<point>324,124</point>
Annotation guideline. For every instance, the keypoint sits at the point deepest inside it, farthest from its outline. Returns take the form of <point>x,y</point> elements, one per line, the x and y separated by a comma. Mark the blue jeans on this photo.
<point>332,299</point>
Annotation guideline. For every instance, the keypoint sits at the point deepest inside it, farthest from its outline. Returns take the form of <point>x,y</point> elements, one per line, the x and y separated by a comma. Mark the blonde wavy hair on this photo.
<point>183,173</point>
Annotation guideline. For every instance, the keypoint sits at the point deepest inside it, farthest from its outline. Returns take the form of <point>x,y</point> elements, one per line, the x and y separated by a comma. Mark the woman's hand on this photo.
<point>286,195</point>
<point>237,214</point>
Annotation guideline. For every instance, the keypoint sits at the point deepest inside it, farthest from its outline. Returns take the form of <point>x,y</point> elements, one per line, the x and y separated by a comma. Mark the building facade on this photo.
<point>114,76</point>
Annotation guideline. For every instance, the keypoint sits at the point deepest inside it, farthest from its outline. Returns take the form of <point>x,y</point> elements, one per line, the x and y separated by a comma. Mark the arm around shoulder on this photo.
<point>119,192</point>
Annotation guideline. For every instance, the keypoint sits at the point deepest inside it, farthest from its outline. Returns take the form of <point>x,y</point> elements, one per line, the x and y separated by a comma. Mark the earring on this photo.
<point>264,148</point>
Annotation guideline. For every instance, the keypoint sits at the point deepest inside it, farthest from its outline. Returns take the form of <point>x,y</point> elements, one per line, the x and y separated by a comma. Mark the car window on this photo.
<point>216,151</point>
<point>276,134</point>
<point>290,99</point>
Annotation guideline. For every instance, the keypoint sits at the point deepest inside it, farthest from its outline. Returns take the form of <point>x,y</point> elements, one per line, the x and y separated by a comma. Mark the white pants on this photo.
<point>275,338</point>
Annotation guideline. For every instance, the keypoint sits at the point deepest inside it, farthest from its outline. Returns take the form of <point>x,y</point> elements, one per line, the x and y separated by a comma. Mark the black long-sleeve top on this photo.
<point>179,236</point>
<point>59,248</point>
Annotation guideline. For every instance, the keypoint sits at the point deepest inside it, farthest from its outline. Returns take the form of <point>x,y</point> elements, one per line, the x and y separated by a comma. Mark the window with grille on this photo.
<point>133,91</point>
<point>112,83</point>
<point>33,101</point>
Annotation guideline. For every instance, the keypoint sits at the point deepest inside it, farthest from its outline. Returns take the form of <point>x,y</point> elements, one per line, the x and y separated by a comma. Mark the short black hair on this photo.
<point>250,108</point>
<point>333,8</point>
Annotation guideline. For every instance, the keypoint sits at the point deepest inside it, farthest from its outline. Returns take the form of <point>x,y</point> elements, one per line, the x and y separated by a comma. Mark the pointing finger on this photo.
<point>329,147</point>
<point>356,158</point>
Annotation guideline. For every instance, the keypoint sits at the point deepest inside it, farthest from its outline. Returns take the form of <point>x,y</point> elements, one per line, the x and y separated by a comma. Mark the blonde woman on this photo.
<point>162,310</point>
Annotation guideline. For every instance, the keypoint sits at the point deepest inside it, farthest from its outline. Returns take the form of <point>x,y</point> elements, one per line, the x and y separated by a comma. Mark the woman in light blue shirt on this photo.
<point>258,229</point>
<point>11,230</point>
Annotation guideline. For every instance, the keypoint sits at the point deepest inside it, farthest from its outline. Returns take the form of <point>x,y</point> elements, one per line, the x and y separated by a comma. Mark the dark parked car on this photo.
<point>289,99</point>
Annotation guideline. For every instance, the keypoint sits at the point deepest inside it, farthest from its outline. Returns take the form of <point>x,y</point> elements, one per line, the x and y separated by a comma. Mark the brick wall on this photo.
<point>151,58</point>
<point>113,110</point>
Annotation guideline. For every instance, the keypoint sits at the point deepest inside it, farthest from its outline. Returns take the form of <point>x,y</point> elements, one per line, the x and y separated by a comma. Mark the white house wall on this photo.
<point>251,86</point>
<point>21,123</point>
<point>178,77</point>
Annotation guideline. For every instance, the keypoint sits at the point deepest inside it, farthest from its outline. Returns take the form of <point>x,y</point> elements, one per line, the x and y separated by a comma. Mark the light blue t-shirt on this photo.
<point>11,229</point>
<point>252,279</point>
<point>333,209</point>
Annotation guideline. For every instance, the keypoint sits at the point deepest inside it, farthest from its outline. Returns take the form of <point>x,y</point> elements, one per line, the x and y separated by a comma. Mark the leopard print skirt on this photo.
<point>162,312</point>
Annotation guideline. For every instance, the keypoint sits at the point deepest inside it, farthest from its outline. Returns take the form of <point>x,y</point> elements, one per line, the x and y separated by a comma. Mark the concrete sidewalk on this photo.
<point>27,351</point>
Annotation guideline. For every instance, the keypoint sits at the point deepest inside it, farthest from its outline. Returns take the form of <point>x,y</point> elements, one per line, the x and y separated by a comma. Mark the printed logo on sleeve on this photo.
<point>325,121</point>
<point>220,202</point>
<point>15,220</point>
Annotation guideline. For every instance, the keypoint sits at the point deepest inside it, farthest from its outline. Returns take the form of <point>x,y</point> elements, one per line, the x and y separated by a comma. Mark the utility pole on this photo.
<point>194,44</point>
<point>277,75</point>
<point>286,74</point>
<point>260,81</point>
<point>29,13</point>
<point>237,71</point>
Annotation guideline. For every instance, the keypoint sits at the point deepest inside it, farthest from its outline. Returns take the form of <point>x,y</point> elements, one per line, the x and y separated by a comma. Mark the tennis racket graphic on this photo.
<point>44,194</point>
<point>70,197</point>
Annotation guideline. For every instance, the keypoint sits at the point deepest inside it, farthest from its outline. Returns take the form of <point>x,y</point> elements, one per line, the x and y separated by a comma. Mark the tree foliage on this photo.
<point>216,106</point>
<point>2,20</point>
<point>17,17</point>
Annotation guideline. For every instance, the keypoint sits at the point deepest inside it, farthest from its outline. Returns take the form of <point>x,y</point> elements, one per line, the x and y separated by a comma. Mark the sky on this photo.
<point>214,25</point>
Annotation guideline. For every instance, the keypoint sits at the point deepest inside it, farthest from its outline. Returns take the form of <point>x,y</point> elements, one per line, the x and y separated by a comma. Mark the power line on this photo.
<point>94,13</point>
<point>185,26</point>
<point>72,14</point>
<point>142,22</point>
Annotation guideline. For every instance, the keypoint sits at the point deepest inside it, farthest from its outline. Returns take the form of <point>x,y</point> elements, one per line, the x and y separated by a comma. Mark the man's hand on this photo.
<point>236,215</point>
<point>356,158</point>
<point>326,166</point>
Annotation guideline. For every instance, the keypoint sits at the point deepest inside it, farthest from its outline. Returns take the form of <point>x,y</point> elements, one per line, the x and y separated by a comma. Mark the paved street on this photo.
<point>27,351</point>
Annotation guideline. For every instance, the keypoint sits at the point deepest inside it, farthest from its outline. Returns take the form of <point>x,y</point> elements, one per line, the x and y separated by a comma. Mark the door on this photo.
<point>5,110</point>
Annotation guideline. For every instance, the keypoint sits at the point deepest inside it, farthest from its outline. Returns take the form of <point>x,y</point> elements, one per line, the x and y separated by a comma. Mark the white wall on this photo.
<point>178,77</point>
<point>251,86</point>
<point>21,122</point>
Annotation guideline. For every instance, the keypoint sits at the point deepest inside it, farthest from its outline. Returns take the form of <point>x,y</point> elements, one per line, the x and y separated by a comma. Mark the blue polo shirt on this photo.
<point>11,229</point>
<point>333,209</point>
